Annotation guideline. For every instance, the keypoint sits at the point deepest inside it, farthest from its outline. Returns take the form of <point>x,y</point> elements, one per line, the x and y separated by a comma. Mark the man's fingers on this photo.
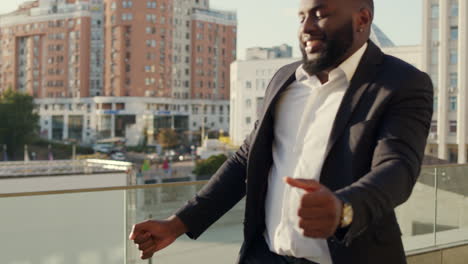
<point>146,256</point>
<point>136,230</point>
<point>316,234</point>
<point>316,199</point>
<point>311,213</point>
<point>142,237</point>
<point>146,245</point>
<point>306,185</point>
<point>148,253</point>
<point>315,224</point>
<point>316,228</point>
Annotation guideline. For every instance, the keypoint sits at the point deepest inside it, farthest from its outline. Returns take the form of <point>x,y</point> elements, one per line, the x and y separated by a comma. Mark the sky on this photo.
<point>267,23</point>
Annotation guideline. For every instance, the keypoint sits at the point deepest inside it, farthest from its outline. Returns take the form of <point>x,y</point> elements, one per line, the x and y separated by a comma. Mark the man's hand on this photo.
<point>153,235</point>
<point>319,210</point>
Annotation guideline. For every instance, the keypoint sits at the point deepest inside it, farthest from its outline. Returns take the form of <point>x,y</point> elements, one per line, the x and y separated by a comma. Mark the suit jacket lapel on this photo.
<point>278,84</point>
<point>362,79</point>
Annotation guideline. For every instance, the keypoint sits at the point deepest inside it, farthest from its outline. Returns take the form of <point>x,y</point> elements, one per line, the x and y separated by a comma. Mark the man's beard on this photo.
<point>336,46</point>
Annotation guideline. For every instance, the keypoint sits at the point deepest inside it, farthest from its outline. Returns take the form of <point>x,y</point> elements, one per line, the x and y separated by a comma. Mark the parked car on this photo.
<point>118,156</point>
<point>103,148</point>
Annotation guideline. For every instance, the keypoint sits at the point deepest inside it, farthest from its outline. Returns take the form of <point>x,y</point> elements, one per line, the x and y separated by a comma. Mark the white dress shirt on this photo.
<point>303,118</point>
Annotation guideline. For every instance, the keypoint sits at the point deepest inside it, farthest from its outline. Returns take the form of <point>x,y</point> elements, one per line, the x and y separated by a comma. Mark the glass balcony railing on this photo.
<point>92,226</point>
<point>436,215</point>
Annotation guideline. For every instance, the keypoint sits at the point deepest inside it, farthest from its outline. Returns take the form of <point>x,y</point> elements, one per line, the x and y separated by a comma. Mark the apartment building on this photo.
<point>138,48</point>
<point>182,53</point>
<point>445,58</point>
<point>180,49</point>
<point>50,48</point>
<point>213,49</point>
<point>89,53</point>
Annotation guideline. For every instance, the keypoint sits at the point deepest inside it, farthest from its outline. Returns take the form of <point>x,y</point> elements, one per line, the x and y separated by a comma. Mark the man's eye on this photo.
<point>320,15</point>
<point>301,19</point>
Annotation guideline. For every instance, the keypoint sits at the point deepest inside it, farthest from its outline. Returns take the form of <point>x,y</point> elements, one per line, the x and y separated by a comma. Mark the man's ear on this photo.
<point>364,18</point>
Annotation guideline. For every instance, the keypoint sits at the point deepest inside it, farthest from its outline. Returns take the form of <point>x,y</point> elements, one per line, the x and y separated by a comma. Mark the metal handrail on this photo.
<point>103,189</point>
<point>60,167</point>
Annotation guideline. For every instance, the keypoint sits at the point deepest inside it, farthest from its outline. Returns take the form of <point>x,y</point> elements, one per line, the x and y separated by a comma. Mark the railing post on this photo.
<point>436,186</point>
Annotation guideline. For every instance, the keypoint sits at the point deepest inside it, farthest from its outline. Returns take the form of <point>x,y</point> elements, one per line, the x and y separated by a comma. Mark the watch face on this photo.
<point>347,217</point>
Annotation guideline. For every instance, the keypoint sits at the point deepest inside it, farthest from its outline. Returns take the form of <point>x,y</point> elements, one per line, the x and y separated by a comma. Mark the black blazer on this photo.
<point>372,160</point>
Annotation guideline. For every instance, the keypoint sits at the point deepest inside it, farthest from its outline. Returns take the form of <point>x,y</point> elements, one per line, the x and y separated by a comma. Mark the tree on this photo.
<point>209,166</point>
<point>19,121</point>
<point>168,138</point>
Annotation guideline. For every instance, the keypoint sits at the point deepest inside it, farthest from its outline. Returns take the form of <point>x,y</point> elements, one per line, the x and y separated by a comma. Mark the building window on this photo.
<point>453,103</point>
<point>248,120</point>
<point>454,10</point>
<point>127,16</point>
<point>434,57</point>
<point>248,103</point>
<point>436,99</point>
<point>435,34</point>
<point>453,57</point>
<point>435,79</point>
<point>127,4</point>
<point>454,32</point>
<point>453,126</point>
<point>151,4</point>
<point>453,155</point>
<point>454,80</point>
<point>435,11</point>
<point>434,126</point>
<point>248,84</point>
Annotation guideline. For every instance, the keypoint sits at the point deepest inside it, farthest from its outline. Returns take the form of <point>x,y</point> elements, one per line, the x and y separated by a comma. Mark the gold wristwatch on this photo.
<point>346,215</point>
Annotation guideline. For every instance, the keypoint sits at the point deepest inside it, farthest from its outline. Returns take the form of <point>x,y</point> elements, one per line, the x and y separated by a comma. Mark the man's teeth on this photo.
<point>309,46</point>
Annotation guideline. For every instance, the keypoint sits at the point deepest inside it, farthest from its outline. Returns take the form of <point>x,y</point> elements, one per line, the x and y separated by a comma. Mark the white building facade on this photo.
<point>445,58</point>
<point>87,120</point>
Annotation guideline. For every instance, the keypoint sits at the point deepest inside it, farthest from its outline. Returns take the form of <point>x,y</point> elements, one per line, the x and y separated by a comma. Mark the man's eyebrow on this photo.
<point>315,8</point>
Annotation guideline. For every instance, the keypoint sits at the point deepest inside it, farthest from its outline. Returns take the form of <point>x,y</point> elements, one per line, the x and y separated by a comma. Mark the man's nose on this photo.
<point>310,25</point>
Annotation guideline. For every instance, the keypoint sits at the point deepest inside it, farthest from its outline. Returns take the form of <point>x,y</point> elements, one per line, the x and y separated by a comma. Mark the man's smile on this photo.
<point>312,46</point>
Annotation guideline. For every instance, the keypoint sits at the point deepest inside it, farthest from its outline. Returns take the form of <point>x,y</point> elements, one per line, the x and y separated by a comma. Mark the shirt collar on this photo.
<point>348,67</point>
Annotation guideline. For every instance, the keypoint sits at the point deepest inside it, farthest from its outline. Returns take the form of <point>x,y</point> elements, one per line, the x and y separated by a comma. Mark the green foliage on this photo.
<point>209,166</point>
<point>141,149</point>
<point>19,121</point>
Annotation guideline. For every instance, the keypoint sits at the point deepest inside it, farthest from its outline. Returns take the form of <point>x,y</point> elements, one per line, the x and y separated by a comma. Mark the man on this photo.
<point>337,147</point>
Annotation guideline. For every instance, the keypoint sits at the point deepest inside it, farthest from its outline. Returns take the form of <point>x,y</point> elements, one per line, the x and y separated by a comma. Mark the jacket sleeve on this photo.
<point>225,188</point>
<point>397,157</point>
<point>228,185</point>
